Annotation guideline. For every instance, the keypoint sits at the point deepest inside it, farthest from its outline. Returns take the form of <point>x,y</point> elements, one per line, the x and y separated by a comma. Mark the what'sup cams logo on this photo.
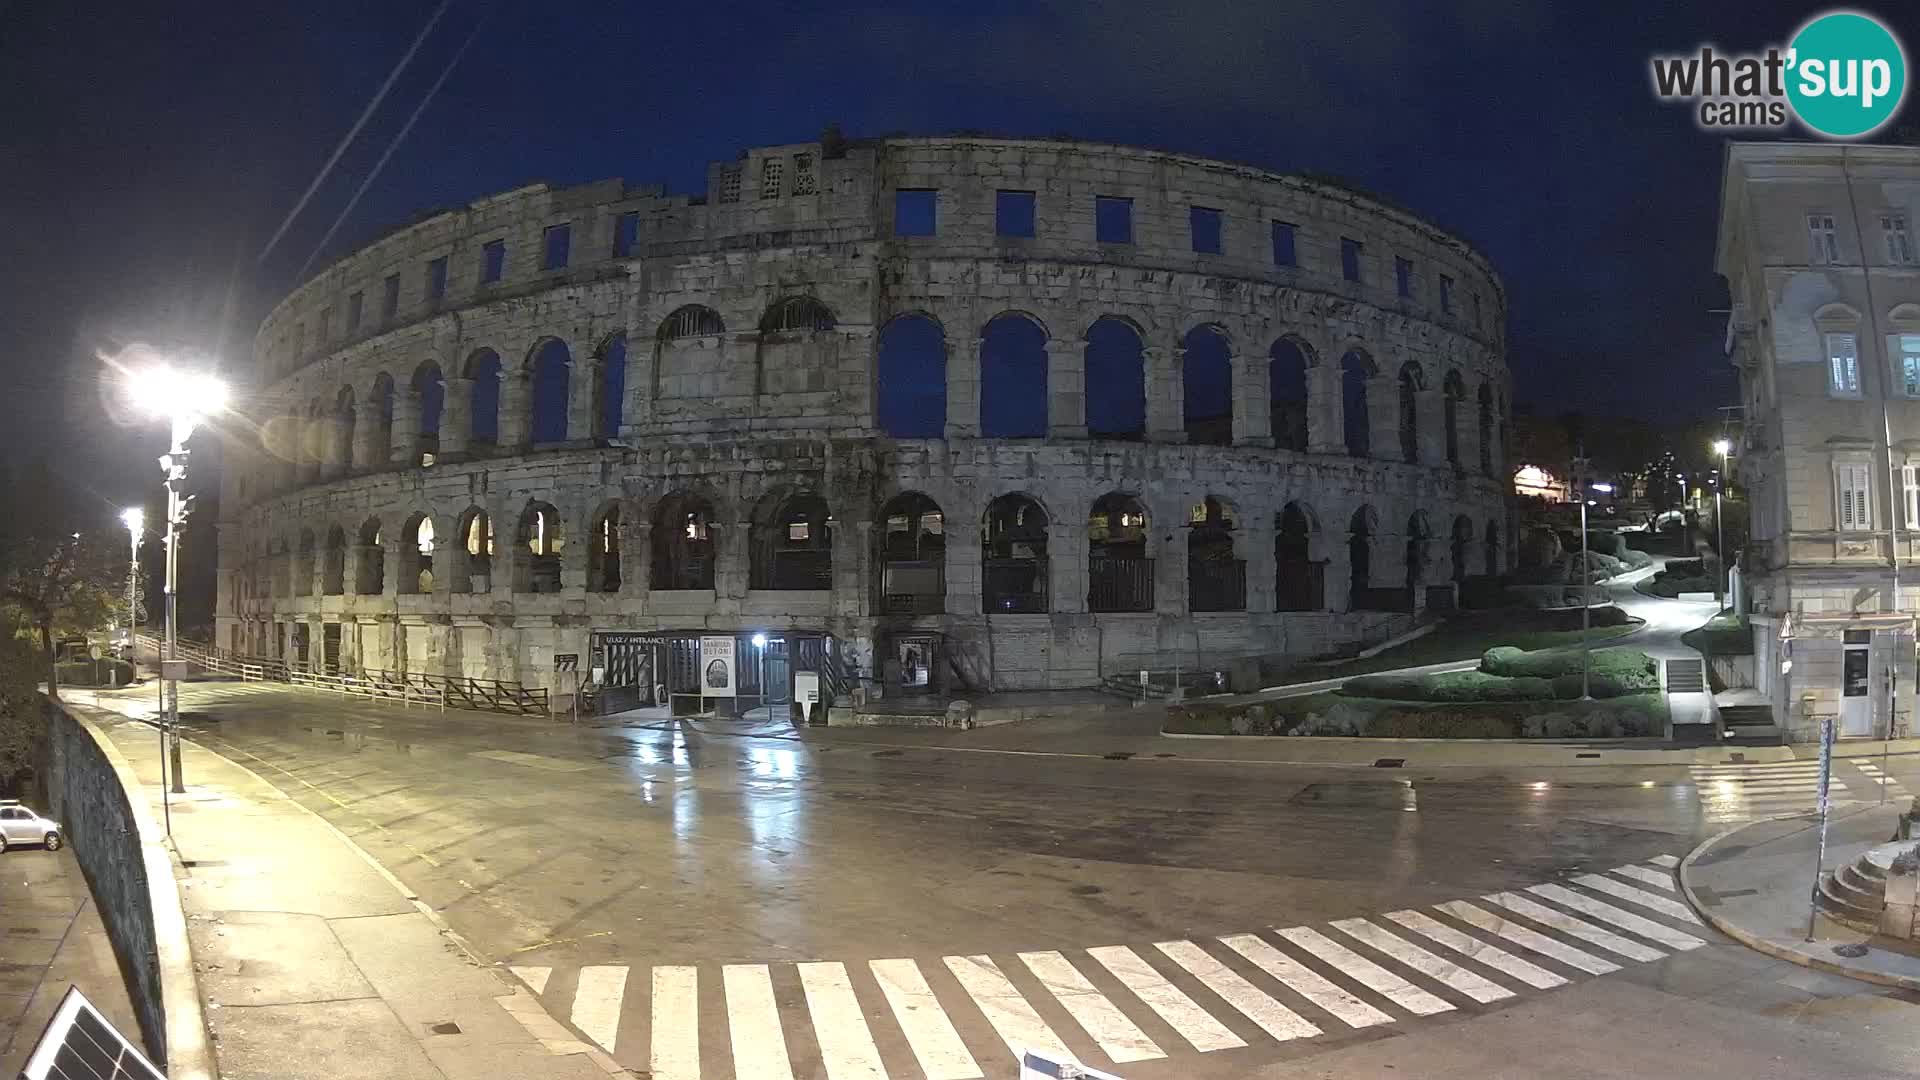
<point>1843,76</point>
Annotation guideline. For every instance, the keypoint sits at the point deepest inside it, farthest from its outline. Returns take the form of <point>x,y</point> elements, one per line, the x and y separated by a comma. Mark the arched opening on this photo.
<point>1410,387</point>
<point>1462,547</point>
<point>1455,392</point>
<point>603,550</point>
<point>912,556</point>
<point>1300,582</point>
<point>1116,380</point>
<point>344,422</point>
<point>1013,547</point>
<point>333,565</point>
<point>1119,571</point>
<point>1417,536</point>
<point>536,550</point>
<point>1287,365</point>
<point>690,321</point>
<point>550,367</point>
<point>1206,377</point>
<point>796,314</point>
<point>303,565</point>
<point>791,544</point>
<point>1491,558</point>
<point>611,393</point>
<point>1216,579</point>
<point>483,367</point>
<point>1360,533</point>
<point>382,441</point>
<point>416,555</point>
<point>370,571</point>
<point>1486,430</point>
<point>911,372</point>
<point>1013,378</point>
<point>476,552</point>
<point>682,543</point>
<point>1356,368</point>
<point>314,447</point>
<point>429,393</point>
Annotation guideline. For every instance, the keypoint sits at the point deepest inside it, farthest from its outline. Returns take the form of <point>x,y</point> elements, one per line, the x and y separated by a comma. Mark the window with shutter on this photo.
<point>1910,489</point>
<point>1854,488</point>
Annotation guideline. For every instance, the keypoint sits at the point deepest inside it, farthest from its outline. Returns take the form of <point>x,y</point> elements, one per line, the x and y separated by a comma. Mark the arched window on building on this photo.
<point>429,394</point>
<point>1116,380</point>
<point>610,396</point>
<point>1013,378</point>
<point>1216,577</point>
<point>1300,582</point>
<point>1410,386</point>
<point>475,555</point>
<point>536,550</point>
<point>549,369</point>
<point>303,565</point>
<point>682,543</point>
<point>1356,369</point>
<point>1462,549</point>
<point>912,376</point>
<point>1486,430</point>
<point>1013,547</point>
<point>1287,364</point>
<point>791,544</point>
<point>333,566</point>
<point>416,555</point>
<point>796,314</point>
<point>1361,531</point>
<point>603,550</point>
<point>1206,377</point>
<point>370,571</point>
<point>382,443</point>
<point>1119,569</point>
<point>912,556</point>
<point>1456,392</point>
<point>1418,535</point>
<point>344,423</point>
<point>483,367</point>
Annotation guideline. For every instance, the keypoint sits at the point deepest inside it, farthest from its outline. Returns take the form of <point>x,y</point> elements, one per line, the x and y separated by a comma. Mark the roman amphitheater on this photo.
<point>935,416</point>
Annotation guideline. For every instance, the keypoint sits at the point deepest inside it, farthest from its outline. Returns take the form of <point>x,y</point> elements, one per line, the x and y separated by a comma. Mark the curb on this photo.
<point>1804,957</point>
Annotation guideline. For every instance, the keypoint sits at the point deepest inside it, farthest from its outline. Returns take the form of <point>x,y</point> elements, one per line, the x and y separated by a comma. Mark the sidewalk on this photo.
<point>316,963</point>
<point>50,939</point>
<point>1754,884</point>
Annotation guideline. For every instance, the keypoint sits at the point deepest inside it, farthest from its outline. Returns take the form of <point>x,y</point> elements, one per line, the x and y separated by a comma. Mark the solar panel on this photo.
<point>80,1044</point>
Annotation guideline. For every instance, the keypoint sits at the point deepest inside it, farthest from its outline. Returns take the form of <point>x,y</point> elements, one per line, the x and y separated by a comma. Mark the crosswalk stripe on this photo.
<point>1651,877</point>
<point>535,977</point>
<point>596,1003</point>
<point>753,1020</point>
<point>935,1044</point>
<point>1665,860</point>
<point>1527,939</point>
<point>1019,1025</point>
<point>1189,1020</point>
<point>1472,947</point>
<point>1306,982</point>
<point>840,1025</point>
<point>1625,920</point>
<point>1119,1039</point>
<point>1274,1018</point>
<point>675,1054</point>
<point>1424,962</point>
<point>1366,972</point>
<point>1567,924</point>
<point>1672,909</point>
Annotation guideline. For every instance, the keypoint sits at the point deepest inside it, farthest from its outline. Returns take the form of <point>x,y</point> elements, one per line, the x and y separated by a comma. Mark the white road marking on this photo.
<point>535,977</point>
<point>675,1054</point>
<point>1020,1027</point>
<point>1527,939</point>
<point>1366,972</point>
<point>1446,971</point>
<point>1625,920</point>
<point>840,1025</point>
<point>1473,948</point>
<point>935,1044</point>
<point>1118,1037</point>
<point>1668,861</point>
<point>753,1020</point>
<point>1306,982</point>
<point>596,1004</point>
<point>1672,909</point>
<point>1274,1018</point>
<point>1193,1023</point>
<point>1567,924</point>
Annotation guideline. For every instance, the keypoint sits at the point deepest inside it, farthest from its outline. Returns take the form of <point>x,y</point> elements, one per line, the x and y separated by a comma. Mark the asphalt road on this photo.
<point>719,900</point>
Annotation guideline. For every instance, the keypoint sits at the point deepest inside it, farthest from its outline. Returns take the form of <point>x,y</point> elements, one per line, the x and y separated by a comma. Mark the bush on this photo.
<point>1628,664</point>
<point>1442,725</point>
<point>1600,684</point>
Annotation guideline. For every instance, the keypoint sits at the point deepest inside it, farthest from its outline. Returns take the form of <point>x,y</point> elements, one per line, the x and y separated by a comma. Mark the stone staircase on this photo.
<point>1855,894</point>
<point>1751,725</point>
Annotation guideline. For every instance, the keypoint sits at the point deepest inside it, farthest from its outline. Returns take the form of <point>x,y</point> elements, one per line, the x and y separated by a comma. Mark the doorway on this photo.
<point>1858,668</point>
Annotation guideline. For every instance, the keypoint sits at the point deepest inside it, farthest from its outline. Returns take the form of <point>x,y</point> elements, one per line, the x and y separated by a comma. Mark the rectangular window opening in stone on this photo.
<point>1843,365</point>
<point>493,261</point>
<point>1403,277</point>
<point>1823,241</point>
<point>772,176</point>
<point>1910,492</point>
<point>915,211</point>
<point>555,244</point>
<point>1899,240</point>
<point>626,231</point>
<point>1853,484</point>
<point>1446,294</point>
<point>805,180</point>
<point>1013,213</point>
<point>1283,251</point>
<point>355,304</point>
<point>1350,258</point>
<point>1204,223</point>
<point>730,183</point>
<point>1910,363</point>
<point>437,279</point>
<point>323,330</point>
<point>390,298</point>
<point>1112,219</point>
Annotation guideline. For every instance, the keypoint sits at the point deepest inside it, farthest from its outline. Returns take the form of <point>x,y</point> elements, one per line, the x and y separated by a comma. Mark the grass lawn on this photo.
<point>1464,638</point>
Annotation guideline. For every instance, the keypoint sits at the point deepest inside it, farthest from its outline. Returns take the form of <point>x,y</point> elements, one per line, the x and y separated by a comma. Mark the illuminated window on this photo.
<point>1843,365</point>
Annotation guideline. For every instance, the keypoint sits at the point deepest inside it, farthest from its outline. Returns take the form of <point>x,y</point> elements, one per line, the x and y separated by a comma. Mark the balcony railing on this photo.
<point>1119,584</point>
<point>1217,585</point>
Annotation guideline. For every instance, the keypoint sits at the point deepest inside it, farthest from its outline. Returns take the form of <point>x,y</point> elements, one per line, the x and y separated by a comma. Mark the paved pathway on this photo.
<point>50,939</point>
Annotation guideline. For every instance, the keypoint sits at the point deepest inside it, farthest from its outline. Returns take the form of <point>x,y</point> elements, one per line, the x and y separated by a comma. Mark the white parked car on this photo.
<point>21,826</point>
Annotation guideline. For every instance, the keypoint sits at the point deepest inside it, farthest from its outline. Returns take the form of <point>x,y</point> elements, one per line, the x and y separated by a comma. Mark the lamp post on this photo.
<point>1586,594</point>
<point>1721,447</point>
<point>184,399</point>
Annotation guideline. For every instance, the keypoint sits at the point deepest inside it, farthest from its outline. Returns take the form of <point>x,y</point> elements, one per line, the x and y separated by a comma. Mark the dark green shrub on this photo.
<point>1599,683</point>
<point>1198,720</point>
<point>94,673</point>
<point>1442,724</point>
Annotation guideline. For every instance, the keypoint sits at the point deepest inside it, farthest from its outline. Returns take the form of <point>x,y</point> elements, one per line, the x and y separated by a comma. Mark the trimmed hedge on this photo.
<point>1340,715</point>
<point>1620,661</point>
<point>94,673</point>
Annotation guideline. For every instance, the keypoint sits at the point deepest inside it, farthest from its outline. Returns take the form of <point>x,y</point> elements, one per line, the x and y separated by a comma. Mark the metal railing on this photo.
<point>406,687</point>
<point>1118,583</point>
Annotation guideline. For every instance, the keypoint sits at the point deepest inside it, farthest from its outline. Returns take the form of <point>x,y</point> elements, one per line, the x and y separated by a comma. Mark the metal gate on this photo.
<point>628,662</point>
<point>330,648</point>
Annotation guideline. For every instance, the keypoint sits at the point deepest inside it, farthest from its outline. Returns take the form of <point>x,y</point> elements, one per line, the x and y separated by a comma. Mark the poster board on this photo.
<point>718,667</point>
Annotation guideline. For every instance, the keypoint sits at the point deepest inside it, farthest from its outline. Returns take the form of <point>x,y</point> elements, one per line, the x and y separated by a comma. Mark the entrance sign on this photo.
<point>806,693</point>
<point>717,666</point>
<point>1047,1065</point>
<point>566,661</point>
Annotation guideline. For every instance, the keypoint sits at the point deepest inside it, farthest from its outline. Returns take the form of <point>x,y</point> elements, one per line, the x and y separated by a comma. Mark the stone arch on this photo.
<point>797,315</point>
<point>538,540</point>
<point>382,436</point>
<point>1462,546</point>
<point>1216,575</point>
<point>1419,534</point>
<point>1013,377</point>
<point>1412,382</point>
<point>417,540</point>
<point>1454,393</point>
<point>1116,379</point>
<point>683,542</point>
<point>333,562</point>
<point>1287,363</point>
<point>1119,554</point>
<point>611,390</point>
<point>790,543</point>
<point>483,368</point>
<point>910,375</point>
<point>303,563</point>
<point>606,533</point>
<point>1491,541</point>
<point>1362,530</point>
<point>1300,579</point>
<point>689,321</point>
<point>429,388</point>
<point>1206,379</point>
<point>313,437</point>
<point>1485,426</point>
<point>910,552</point>
<point>1356,370</point>
<point>370,571</point>
<point>345,425</point>
<point>549,369</point>
<point>473,557</point>
<point>1013,548</point>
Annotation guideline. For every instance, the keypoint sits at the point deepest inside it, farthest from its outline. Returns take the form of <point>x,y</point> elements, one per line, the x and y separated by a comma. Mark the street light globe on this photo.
<point>1722,447</point>
<point>164,392</point>
<point>134,518</point>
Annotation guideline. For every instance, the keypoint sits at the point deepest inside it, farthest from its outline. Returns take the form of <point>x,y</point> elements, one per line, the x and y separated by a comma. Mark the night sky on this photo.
<point>147,151</point>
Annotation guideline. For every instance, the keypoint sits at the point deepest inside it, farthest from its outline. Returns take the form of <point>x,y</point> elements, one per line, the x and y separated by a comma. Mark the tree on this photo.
<point>57,571</point>
<point>20,717</point>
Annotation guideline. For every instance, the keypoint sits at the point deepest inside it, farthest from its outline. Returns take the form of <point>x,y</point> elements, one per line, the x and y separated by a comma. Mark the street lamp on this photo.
<point>1586,595</point>
<point>184,400</point>
<point>1721,447</point>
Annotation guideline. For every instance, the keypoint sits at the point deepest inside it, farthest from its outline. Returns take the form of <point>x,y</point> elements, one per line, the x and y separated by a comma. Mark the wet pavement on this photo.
<point>720,879</point>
